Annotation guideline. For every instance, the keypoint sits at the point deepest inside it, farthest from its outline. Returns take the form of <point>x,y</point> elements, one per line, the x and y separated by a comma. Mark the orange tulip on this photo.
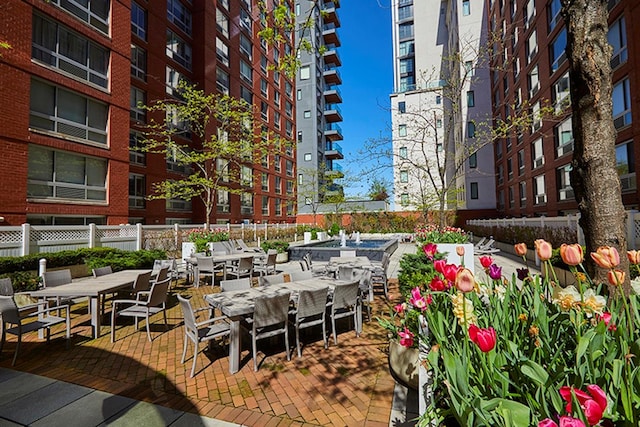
<point>606,257</point>
<point>543,249</point>
<point>634,257</point>
<point>616,277</point>
<point>460,250</point>
<point>465,282</point>
<point>571,254</point>
<point>520,248</point>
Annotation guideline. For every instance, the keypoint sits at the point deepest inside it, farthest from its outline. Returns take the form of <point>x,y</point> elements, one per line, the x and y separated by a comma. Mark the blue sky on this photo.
<point>367,80</point>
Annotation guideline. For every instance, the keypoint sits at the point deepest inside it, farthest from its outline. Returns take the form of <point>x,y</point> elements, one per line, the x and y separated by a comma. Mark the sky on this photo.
<point>367,81</point>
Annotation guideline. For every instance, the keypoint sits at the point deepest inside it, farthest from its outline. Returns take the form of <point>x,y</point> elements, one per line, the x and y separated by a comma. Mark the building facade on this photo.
<point>533,167</point>
<point>72,83</point>
<point>318,104</point>
<point>441,91</point>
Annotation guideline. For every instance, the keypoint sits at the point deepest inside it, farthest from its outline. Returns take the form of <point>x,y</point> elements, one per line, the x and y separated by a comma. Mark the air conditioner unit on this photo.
<point>541,199</point>
<point>615,61</point>
<point>565,149</point>
<point>628,182</point>
<point>538,162</point>
<point>619,122</point>
<point>566,194</point>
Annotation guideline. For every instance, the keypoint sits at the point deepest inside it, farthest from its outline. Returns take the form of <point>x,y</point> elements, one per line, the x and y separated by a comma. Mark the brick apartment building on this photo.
<point>532,169</point>
<point>70,84</point>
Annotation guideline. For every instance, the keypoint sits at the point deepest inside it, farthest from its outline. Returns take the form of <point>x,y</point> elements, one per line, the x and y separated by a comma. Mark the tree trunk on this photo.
<point>594,177</point>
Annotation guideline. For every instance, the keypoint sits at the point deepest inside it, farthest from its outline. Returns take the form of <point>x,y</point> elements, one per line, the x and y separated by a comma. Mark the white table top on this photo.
<point>92,287</point>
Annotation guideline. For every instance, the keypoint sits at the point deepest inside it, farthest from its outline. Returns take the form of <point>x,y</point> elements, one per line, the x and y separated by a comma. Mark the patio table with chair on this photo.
<point>237,305</point>
<point>93,288</point>
<point>217,260</point>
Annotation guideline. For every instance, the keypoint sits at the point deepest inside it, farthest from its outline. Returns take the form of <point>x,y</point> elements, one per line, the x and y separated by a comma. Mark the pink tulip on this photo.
<point>547,422</point>
<point>406,338</point>
<point>486,261</point>
<point>544,250</point>
<point>417,300</point>
<point>400,308</point>
<point>593,403</point>
<point>606,257</point>
<point>571,254</point>
<point>430,250</point>
<point>485,338</point>
<point>450,272</point>
<point>567,421</point>
<point>464,280</point>
<point>439,264</point>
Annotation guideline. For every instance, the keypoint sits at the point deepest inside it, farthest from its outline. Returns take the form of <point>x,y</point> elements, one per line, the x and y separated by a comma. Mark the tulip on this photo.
<point>593,402</point>
<point>417,300</point>
<point>571,254</point>
<point>606,318</point>
<point>464,280</point>
<point>606,257</point>
<point>544,250</point>
<point>495,272</point>
<point>634,257</point>
<point>523,273</point>
<point>486,261</point>
<point>437,284</point>
<point>400,308</point>
<point>615,277</point>
<point>520,249</point>
<point>571,422</point>
<point>430,250</point>
<point>460,250</point>
<point>485,338</point>
<point>406,338</point>
<point>547,422</point>
<point>439,265</point>
<point>450,272</point>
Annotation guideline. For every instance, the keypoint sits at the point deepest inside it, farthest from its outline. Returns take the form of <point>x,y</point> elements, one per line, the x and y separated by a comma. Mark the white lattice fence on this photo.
<point>49,238</point>
<point>10,241</point>
<point>115,236</point>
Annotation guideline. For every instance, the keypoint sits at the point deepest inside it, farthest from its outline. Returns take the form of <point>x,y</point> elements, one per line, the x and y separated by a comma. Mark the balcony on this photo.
<point>333,132</point>
<point>335,172</point>
<point>334,190</point>
<point>332,76</point>
<point>332,95</point>
<point>332,113</point>
<point>329,14</point>
<point>331,56</point>
<point>330,34</point>
<point>333,151</point>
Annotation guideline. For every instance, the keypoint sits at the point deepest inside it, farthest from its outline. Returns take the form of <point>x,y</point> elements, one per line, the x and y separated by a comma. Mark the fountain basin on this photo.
<point>322,251</point>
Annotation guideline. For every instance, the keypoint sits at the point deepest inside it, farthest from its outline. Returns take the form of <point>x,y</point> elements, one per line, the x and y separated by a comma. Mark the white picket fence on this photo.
<point>570,222</point>
<point>30,239</point>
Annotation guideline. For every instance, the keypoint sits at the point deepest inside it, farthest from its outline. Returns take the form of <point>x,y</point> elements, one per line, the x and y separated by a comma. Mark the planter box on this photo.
<point>282,257</point>
<point>565,277</point>
<point>403,364</point>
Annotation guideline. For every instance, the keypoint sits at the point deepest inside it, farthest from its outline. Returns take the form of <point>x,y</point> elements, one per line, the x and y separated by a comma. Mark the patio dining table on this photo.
<point>219,259</point>
<point>93,288</point>
<point>237,305</point>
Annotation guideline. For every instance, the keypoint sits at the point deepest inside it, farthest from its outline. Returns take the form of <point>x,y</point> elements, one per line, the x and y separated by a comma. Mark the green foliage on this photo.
<point>279,245</point>
<point>54,259</point>
<point>430,233</point>
<point>125,260</point>
<point>202,237</point>
<point>524,234</point>
<point>416,270</point>
<point>23,281</point>
<point>334,230</point>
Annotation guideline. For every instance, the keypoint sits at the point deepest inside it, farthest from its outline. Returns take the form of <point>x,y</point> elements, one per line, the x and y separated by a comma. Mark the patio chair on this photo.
<point>51,279</point>
<point>344,304</point>
<point>265,266</point>
<point>155,302</point>
<point>480,243</point>
<point>246,248</point>
<point>206,267</point>
<point>303,265</point>
<point>487,248</point>
<point>311,311</point>
<point>270,318</point>
<point>316,270</point>
<point>296,276</point>
<point>235,284</point>
<point>171,266</point>
<point>101,271</point>
<point>10,315</point>
<point>197,332</point>
<point>379,275</point>
<point>244,268</point>
<point>23,300</point>
<point>274,279</point>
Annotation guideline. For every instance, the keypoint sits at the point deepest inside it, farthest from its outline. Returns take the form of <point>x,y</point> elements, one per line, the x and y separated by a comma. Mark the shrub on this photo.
<point>23,281</point>
<point>279,245</point>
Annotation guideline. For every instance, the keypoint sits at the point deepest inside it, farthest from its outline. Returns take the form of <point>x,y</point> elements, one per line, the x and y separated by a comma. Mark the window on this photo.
<point>531,47</point>
<point>438,123</point>
<point>278,185</point>
<point>138,62</point>
<point>617,37</point>
<point>222,51</point>
<point>529,13</point>
<point>563,136</point>
<point>621,104</point>
<point>536,117</point>
<point>466,7</point>
<point>404,176</point>
<point>557,50</point>
<point>278,206</point>
<point>246,94</point>
<point>563,180</point>
<point>173,79</point>
<point>264,182</point>
<point>402,107</point>
<point>57,110</point>
<point>289,167</point>
<point>522,189</point>
<point>509,168</point>
<point>264,63</point>
<point>136,156</point>
<point>406,65</point>
<point>222,80</point>
<point>539,191</point>
<point>438,99</point>
<point>246,176</point>
<point>404,199</point>
<point>471,129</point>
<point>69,52</point>
<point>223,201</point>
<point>179,15</point>
<point>307,114</point>
<point>625,165</point>
<point>245,20</point>
<point>265,205</point>
<point>473,161</point>
<point>500,174</point>
<point>553,13</point>
<point>63,175</point>
<point>245,71</point>
<point>471,100</point>
<point>473,190</point>
<point>277,162</point>
<point>405,31</point>
<point>402,152</point>
<point>520,162</point>
<point>222,23</point>
<point>405,12</point>
<point>305,73</point>
<point>560,93</point>
<point>533,81</point>
<point>402,130</point>
<point>537,154</point>
<point>276,98</point>
<point>222,169</point>
<point>406,48</point>
<point>246,47</point>
<point>178,50</point>
<point>94,12</point>
<point>138,21</point>
<point>137,101</point>
<point>136,191</point>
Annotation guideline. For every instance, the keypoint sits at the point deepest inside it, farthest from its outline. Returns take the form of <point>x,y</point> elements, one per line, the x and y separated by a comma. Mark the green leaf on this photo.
<point>534,371</point>
<point>585,340</point>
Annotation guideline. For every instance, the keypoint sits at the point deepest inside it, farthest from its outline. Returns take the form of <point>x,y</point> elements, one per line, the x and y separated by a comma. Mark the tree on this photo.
<point>594,176</point>
<point>378,190</point>
<point>227,137</point>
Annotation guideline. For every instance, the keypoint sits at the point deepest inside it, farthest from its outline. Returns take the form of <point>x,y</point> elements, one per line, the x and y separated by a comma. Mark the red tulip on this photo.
<point>520,249</point>
<point>450,272</point>
<point>571,254</point>
<point>430,250</point>
<point>634,257</point>
<point>593,403</point>
<point>439,265</point>
<point>485,338</point>
<point>606,257</point>
<point>486,261</point>
<point>606,318</point>
<point>547,422</point>
<point>464,280</point>
<point>437,284</point>
<point>570,422</point>
<point>544,250</point>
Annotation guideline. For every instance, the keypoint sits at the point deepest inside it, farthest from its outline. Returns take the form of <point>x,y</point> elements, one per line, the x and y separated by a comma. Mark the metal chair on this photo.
<point>296,276</point>
<point>155,302</point>
<point>206,267</point>
<point>268,265</point>
<point>10,315</point>
<point>244,268</point>
<point>270,318</point>
<point>198,332</point>
<point>101,271</point>
<point>379,274</point>
<point>23,300</point>
<point>311,311</point>
<point>271,280</point>
<point>344,304</point>
<point>235,284</point>
<point>51,279</point>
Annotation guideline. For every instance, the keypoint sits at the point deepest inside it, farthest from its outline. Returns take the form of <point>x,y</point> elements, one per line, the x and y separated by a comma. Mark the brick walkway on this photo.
<point>346,385</point>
